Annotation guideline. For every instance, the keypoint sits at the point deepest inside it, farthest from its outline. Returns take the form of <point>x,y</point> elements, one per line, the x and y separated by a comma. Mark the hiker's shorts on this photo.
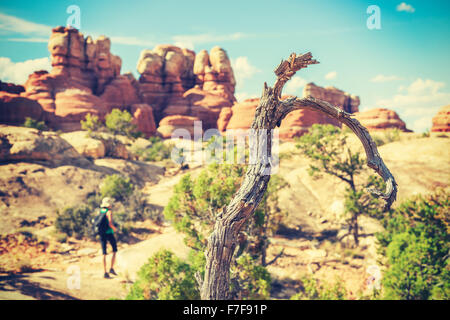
<point>104,238</point>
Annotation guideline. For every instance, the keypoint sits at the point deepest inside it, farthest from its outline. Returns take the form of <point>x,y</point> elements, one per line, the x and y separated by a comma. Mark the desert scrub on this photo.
<point>91,124</point>
<point>193,209</point>
<point>387,136</point>
<point>116,122</point>
<point>74,221</point>
<point>392,135</point>
<point>117,187</point>
<point>249,279</point>
<point>31,123</point>
<point>313,290</point>
<point>416,244</point>
<point>164,277</point>
<point>155,151</point>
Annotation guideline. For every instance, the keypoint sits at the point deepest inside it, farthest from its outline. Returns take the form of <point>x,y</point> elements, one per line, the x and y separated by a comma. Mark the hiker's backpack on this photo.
<point>100,222</point>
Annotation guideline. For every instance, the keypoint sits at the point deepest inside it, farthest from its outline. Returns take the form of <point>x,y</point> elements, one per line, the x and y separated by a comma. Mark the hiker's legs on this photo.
<point>103,243</point>
<point>113,259</point>
<point>113,242</point>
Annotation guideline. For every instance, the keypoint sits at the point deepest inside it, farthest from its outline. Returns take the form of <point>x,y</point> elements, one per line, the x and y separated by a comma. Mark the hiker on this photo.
<point>107,234</point>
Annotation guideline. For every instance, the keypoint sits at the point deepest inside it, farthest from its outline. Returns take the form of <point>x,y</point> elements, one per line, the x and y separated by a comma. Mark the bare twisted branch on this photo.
<point>374,159</point>
<point>284,72</point>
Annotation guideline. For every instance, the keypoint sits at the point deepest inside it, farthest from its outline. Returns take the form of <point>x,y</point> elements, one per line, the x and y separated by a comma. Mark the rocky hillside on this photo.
<point>42,172</point>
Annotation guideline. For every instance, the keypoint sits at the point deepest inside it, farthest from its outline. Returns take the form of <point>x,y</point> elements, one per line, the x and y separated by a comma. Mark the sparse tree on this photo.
<point>326,146</point>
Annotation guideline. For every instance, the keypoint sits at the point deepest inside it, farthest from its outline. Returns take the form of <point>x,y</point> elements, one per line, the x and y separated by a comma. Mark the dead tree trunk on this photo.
<point>269,113</point>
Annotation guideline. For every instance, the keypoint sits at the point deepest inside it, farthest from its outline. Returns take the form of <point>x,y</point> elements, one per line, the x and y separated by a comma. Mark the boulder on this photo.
<point>143,118</point>
<point>27,144</point>
<point>171,123</point>
<point>114,146</point>
<point>441,121</point>
<point>85,145</point>
<point>381,119</point>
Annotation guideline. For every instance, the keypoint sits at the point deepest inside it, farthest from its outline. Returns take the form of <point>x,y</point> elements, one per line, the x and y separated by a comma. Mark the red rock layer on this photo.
<point>441,121</point>
<point>381,119</point>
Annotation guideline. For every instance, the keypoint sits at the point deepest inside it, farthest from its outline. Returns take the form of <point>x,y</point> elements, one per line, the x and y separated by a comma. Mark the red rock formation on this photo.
<point>381,119</point>
<point>11,87</point>
<point>298,122</point>
<point>175,83</point>
<point>441,121</point>
<point>336,97</point>
<point>14,109</point>
<point>143,118</point>
<point>214,73</point>
<point>85,78</point>
<point>224,118</point>
<point>240,116</point>
<point>168,76</point>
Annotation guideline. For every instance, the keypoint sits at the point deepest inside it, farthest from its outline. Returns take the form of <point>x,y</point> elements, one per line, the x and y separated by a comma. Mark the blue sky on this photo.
<point>403,66</point>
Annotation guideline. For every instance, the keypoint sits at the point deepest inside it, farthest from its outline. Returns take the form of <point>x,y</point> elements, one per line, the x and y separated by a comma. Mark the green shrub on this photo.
<point>426,134</point>
<point>193,209</point>
<point>74,221</point>
<point>164,277</point>
<point>312,290</point>
<point>31,123</point>
<point>250,280</point>
<point>120,122</point>
<point>157,151</point>
<point>117,187</point>
<point>392,135</point>
<point>116,122</point>
<point>91,123</point>
<point>416,244</point>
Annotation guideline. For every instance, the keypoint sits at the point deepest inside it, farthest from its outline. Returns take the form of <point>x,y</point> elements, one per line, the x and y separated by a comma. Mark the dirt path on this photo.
<point>62,282</point>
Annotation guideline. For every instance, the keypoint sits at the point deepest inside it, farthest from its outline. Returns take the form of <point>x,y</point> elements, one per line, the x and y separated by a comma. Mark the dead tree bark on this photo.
<point>269,113</point>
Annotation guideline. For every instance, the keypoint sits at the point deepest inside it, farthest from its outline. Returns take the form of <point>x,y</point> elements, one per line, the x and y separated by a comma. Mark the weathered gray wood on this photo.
<point>269,113</point>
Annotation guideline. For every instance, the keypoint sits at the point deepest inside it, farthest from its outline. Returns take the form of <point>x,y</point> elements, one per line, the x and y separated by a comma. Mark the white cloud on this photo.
<point>12,24</point>
<point>294,85</point>
<point>405,7</point>
<point>185,44</point>
<point>40,33</point>
<point>382,78</point>
<point>331,75</point>
<point>132,41</point>
<point>422,124</point>
<point>189,41</point>
<point>418,102</point>
<point>39,40</point>
<point>241,96</point>
<point>243,69</point>
<point>18,72</point>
